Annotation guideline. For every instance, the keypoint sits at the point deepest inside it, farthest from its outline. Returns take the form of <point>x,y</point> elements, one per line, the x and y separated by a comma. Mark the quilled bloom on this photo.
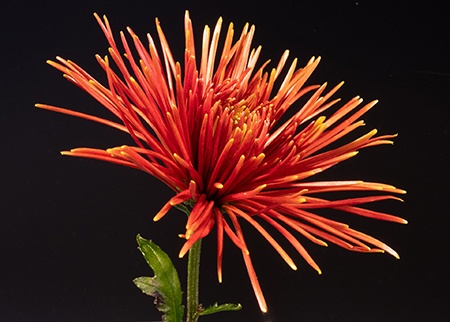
<point>210,129</point>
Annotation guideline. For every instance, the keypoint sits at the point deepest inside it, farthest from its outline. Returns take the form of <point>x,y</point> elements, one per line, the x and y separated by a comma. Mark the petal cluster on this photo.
<point>211,128</point>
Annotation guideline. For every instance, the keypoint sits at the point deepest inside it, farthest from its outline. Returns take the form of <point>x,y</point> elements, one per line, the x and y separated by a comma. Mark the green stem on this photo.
<point>193,281</point>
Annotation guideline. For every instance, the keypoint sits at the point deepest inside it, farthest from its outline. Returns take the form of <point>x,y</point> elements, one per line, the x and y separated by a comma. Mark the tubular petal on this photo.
<point>301,250</point>
<point>176,200</point>
<point>265,234</point>
<point>219,221</point>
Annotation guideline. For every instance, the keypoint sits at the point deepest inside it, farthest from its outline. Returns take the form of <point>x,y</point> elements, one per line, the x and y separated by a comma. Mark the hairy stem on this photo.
<point>193,281</point>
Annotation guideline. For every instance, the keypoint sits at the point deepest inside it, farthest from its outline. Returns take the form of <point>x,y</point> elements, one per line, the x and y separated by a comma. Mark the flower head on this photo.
<point>210,129</point>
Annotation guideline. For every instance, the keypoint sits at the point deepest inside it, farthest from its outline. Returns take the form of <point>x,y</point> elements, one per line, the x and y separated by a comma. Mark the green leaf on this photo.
<point>220,308</point>
<point>165,285</point>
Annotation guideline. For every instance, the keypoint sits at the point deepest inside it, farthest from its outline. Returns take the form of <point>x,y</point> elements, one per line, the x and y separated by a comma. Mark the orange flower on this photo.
<point>213,133</point>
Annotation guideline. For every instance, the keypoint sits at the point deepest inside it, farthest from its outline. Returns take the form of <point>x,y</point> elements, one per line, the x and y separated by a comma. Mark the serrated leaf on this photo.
<point>220,308</point>
<point>165,285</point>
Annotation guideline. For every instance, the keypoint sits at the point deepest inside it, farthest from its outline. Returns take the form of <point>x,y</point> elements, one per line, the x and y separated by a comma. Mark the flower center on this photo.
<point>240,114</point>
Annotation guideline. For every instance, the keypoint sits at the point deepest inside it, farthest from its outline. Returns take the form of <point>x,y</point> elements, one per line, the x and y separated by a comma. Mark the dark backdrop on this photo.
<point>67,225</point>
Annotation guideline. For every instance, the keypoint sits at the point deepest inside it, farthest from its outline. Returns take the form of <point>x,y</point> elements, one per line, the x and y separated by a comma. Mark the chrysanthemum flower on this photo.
<point>210,129</point>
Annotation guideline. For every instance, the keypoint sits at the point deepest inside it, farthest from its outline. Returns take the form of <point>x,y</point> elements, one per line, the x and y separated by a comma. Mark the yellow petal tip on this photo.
<point>218,185</point>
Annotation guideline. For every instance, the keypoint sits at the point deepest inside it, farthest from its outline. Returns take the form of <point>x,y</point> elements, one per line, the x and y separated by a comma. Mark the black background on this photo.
<point>67,225</point>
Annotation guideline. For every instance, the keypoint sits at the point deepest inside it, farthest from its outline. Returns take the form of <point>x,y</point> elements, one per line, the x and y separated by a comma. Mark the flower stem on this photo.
<point>193,281</point>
